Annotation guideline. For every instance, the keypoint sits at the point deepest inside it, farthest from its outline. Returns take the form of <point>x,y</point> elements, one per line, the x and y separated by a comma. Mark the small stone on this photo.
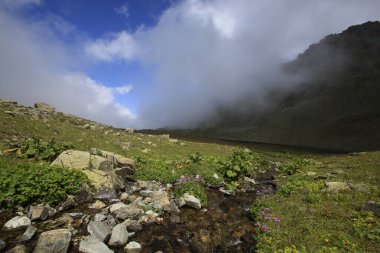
<point>117,206</point>
<point>76,215</point>
<point>133,247</point>
<point>130,211</point>
<point>92,245</point>
<point>175,218</point>
<point>124,196</point>
<point>38,213</point>
<point>173,207</point>
<point>100,217</point>
<point>180,202</point>
<point>146,193</point>
<point>97,205</point>
<point>105,194</point>
<point>28,234</point>
<point>192,201</point>
<point>133,225</point>
<point>99,230</point>
<point>119,236</point>
<point>17,222</point>
<point>54,241</point>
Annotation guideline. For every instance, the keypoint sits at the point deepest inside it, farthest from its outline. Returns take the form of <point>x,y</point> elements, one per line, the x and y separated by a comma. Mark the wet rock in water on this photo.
<point>119,236</point>
<point>28,234</point>
<point>17,222</point>
<point>372,207</point>
<point>38,213</point>
<point>2,245</point>
<point>54,241</point>
<point>133,225</point>
<point>18,249</point>
<point>334,187</point>
<point>99,230</point>
<point>90,244</point>
<point>97,205</point>
<point>175,219</point>
<point>192,201</point>
<point>133,247</point>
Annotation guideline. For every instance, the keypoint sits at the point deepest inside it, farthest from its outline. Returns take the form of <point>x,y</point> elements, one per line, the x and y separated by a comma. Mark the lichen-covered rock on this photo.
<point>17,222</point>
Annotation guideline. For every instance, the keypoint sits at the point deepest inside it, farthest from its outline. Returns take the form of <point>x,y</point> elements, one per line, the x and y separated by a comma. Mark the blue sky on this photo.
<point>159,63</point>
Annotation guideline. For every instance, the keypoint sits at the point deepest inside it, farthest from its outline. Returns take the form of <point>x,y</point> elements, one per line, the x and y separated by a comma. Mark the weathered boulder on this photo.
<point>17,222</point>
<point>44,107</point>
<point>73,159</point>
<point>54,241</point>
<point>99,230</point>
<point>90,244</point>
<point>131,211</point>
<point>192,201</point>
<point>117,206</point>
<point>119,236</point>
<point>133,247</point>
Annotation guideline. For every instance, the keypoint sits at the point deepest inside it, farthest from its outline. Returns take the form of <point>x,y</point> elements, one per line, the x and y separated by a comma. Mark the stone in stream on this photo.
<point>54,241</point>
<point>90,244</point>
<point>97,205</point>
<point>119,236</point>
<point>28,234</point>
<point>17,222</point>
<point>18,249</point>
<point>192,201</point>
<point>99,230</point>
<point>133,247</point>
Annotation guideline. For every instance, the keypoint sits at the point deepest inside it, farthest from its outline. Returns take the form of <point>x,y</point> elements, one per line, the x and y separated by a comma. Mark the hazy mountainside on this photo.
<point>335,106</point>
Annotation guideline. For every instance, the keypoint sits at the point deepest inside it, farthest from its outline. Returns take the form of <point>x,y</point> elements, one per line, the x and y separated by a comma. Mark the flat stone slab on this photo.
<point>99,230</point>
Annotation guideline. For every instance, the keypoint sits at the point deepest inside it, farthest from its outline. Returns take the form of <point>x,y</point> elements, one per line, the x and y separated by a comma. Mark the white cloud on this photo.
<point>120,46</point>
<point>122,90</point>
<point>35,67</point>
<point>123,10</point>
<point>14,4</point>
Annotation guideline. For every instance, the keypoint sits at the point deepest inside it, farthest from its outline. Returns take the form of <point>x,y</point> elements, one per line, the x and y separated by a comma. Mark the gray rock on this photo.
<point>192,201</point>
<point>44,106</point>
<point>146,193</point>
<point>105,194</point>
<point>84,195</point>
<point>73,159</point>
<point>68,203</point>
<point>76,215</point>
<point>28,234</point>
<point>117,206</point>
<point>335,187</point>
<point>38,213</point>
<point>119,236</point>
<point>173,207</point>
<point>130,211</point>
<point>133,225</point>
<point>372,207</point>
<point>54,241</point>
<point>97,205</point>
<point>17,222</point>
<point>180,202</point>
<point>133,247</point>
<point>99,230</point>
<point>100,217</point>
<point>92,245</point>
<point>18,249</point>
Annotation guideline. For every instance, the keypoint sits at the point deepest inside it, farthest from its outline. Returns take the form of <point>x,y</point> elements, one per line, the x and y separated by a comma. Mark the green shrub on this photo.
<point>40,149</point>
<point>194,189</point>
<point>294,167</point>
<point>367,226</point>
<point>24,183</point>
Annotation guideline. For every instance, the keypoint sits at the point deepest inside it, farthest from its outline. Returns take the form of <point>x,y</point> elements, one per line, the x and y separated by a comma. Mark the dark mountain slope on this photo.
<point>335,106</point>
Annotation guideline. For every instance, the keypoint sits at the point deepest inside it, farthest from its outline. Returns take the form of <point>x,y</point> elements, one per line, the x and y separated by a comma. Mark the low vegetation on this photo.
<point>23,183</point>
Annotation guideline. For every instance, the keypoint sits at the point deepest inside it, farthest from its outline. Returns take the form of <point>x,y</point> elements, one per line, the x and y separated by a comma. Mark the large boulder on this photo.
<point>54,241</point>
<point>119,236</point>
<point>99,230</point>
<point>17,222</point>
<point>44,107</point>
<point>104,169</point>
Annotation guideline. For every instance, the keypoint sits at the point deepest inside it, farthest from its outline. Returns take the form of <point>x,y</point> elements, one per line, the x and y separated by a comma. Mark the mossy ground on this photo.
<point>309,220</point>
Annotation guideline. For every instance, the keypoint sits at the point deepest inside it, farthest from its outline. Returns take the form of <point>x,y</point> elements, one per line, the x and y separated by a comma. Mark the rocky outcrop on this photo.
<point>105,169</point>
<point>44,106</point>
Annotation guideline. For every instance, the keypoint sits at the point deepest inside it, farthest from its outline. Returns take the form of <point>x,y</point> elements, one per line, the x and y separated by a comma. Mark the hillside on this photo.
<point>336,106</point>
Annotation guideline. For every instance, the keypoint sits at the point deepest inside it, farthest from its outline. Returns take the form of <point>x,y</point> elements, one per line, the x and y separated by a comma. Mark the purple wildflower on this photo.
<point>264,228</point>
<point>276,219</point>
